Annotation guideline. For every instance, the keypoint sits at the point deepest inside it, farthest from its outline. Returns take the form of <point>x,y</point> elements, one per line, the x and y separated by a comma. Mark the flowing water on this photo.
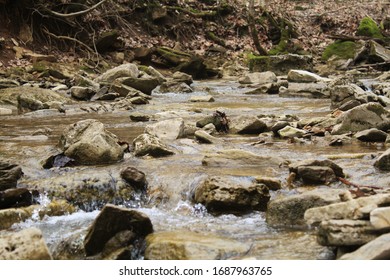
<point>171,179</point>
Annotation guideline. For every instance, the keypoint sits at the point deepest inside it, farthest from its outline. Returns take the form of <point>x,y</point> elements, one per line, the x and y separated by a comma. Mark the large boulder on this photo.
<point>280,64</point>
<point>362,117</point>
<point>88,142</point>
<point>146,144</point>
<point>308,90</point>
<point>290,210</point>
<point>344,94</point>
<point>246,125</point>
<point>27,244</point>
<point>143,84</point>
<point>302,76</point>
<point>189,245</point>
<point>124,70</point>
<point>167,129</point>
<point>232,195</point>
<point>114,220</point>
<point>9,175</point>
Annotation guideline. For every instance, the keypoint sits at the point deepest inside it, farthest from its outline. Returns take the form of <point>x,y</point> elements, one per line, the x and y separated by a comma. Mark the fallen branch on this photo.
<point>348,183</point>
<point>76,13</point>
<point>352,38</point>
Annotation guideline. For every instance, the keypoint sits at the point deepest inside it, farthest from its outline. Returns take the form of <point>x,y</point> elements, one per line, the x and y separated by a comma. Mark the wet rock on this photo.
<point>7,83</point>
<point>383,162</point>
<point>103,94</point>
<point>27,244</point>
<point>290,210</point>
<point>5,111</point>
<point>291,132</point>
<point>175,87</point>
<point>349,105</point>
<point>360,118</point>
<point>146,144</point>
<point>81,93</point>
<point>316,171</point>
<point>138,100</point>
<point>377,249</point>
<point>272,184</point>
<point>134,177</point>
<point>308,90</point>
<point>353,209</point>
<point>145,84</point>
<point>269,88</point>
<point>258,78</point>
<point>139,117</point>
<point>111,221</point>
<point>371,135</point>
<point>70,247</point>
<point>181,77</point>
<point>171,129</point>
<point>301,76</point>
<point>17,197</point>
<point>124,70</point>
<point>380,218</point>
<point>246,125</point>
<point>278,126</point>
<point>232,157</point>
<point>214,120</point>
<point>231,195</point>
<point>345,233</point>
<point>11,216</point>
<point>9,175</point>
<point>189,245</point>
<point>346,96</point>
<point>88,142</point>
<point>378,53</point>
<point>280,64</point>
<point>204,137</point>
<point>207,98</point>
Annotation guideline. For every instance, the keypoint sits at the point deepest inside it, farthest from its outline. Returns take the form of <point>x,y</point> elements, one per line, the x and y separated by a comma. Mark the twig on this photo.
<point>76,13</point>
<point>348,183</point>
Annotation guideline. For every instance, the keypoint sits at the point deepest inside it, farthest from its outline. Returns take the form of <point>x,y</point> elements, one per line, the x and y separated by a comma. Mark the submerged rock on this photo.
<point>188,245</point>
<point>27,244</point>
<point>232,195</point>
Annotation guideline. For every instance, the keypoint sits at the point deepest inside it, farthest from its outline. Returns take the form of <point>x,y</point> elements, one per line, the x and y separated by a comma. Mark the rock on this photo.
<point>345,233</point>
<point>278,126</point>
<point>360,118</point>
<point>9,175</point>
<point>189,245</point>
<point>124,70</point>
<point>5,111</point>
<point>70,247</point>
<point>258,78</point>
<point>202,98</point>
<point>204,137</point>
<point>103,94</point>
<point>341,95</point>
<point>146,144</point>
<point>159,12</point>
<point>291,132</point>
<point>27,244</point>
<point>111,221</point>
<point>8,83</point>
<point>349,105</point>
<point>156,74</point>
<point>171,129</point>
<point>134,177</point>
<point>377,249</point>
<point>310,171</point>
<point>231,195</point>
<point>181,77</point>
<point>352,209</point>
<point>138,100</point>
<point>175,87</point>
<point>145,84</point>
<point>301,76</point>
<point>280,64</point>
<point>214,120</point>
<point>272,184</point>
<point>371,135</point>
<point>380,218</point>
<point>290,210</point>
<point>11,216</point>
<point>13,198</point>
<point>83,81</point>
<point>139,117</point>
<point>246,125</point>
<point>81,93</point>
<point>270,88</point>
<point>88,142</point>
<point>232,157</point>
<point>308,90</point>
<point>383,162</point>
<point>378,53</point>
<point>107,40</point>
<point>143,54</point>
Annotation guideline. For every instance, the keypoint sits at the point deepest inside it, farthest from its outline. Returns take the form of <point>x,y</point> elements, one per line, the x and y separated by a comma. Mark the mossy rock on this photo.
<point>341,49</point>
<point>369,28</point>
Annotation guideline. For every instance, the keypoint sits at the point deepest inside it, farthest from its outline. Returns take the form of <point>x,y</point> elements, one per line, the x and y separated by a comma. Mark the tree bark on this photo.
<point>253,30</point>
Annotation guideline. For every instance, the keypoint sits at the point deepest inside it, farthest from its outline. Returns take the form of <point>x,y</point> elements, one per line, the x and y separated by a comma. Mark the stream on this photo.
<point>174,177</point>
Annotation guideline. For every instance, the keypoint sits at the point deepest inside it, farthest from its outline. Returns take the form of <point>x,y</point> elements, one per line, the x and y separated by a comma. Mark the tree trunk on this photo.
<point>253,30</point>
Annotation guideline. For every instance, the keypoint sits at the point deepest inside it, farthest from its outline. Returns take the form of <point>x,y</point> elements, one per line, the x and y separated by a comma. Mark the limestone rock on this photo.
<point>231,195</point>
<point>383,162</point>
<point>246,125</point>
<point>291,132</point>
<point>146,144</point>
<point>111,221</point>
<point>308,90</point>
<point>204,137</point>
<point>134,177</point>
<point>302,76</point>
<point>342,96</point>
<point>124,70</point>
<point>175,87</point>
<point>380,218</point>
<point>88,142</point>
<point>371,135</point>
<point>182,78</point>
<point>188,245</point>
<point>144,84</point>
<point>167,129</point>
<point>377,249</point>
<point>202,98</point>
<point>27,244</point>
<point>290,210</point>
<point>81,93</point>
<point>9,175</point>
<point>316,174</point>
<point>258,78</point>
<point>5,111</point>
<point>11,216</point>
<point>139,117</point>
<point>273,184</point>
<point>378,53</point>
<point>8,83</point>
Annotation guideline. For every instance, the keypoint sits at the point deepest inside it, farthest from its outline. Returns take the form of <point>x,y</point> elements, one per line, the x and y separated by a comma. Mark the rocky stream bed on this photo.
<point>133,164</point>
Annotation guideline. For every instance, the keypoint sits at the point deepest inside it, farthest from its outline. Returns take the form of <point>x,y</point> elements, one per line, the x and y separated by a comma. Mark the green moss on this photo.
<point>255,60</point>
<point>341,49</point>
<point>369,28</point>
